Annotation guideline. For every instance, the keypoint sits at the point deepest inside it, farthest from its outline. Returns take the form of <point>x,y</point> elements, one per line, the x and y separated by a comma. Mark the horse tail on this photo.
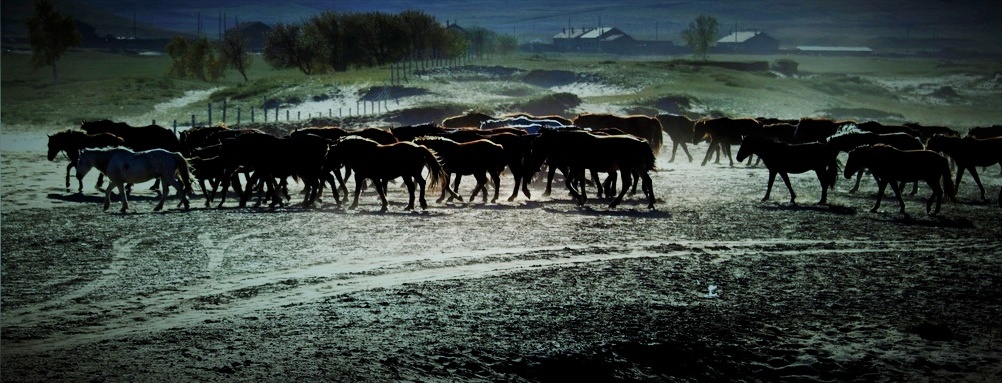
<point>833,170</point>
<point>185,171</point>
<point>434,167</point>
<point>649,161</point>
<point>657,136</point>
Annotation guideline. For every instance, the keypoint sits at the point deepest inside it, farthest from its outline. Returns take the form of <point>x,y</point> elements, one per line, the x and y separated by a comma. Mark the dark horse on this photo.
<point>72,142</point>
<point>380,163</point>
<point>645,127</point>
<point>680,130</point>
<point>479,158</point>
<point>891,165</point>
<point>782,158</point>
<point>580,151</point>
<point>137,138</point>
<point>722,133</point>
<point>969,153</point>
<point>270,157</point>
<point>850,137</point>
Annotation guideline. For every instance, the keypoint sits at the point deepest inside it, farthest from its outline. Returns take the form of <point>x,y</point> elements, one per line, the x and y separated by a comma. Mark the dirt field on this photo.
<point>714,285</point>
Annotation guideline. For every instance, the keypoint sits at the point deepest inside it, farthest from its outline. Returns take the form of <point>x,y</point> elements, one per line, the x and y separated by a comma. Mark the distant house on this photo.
<point>607,39</point>
<point>834,51</point>
<point>753,42</point>
<point>255,32</point>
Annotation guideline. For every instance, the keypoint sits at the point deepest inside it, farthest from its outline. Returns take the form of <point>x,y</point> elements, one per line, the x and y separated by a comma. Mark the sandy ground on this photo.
<point>714,285</point>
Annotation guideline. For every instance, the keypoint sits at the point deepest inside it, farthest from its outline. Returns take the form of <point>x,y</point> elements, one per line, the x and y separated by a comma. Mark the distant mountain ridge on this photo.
<point>887,24</point>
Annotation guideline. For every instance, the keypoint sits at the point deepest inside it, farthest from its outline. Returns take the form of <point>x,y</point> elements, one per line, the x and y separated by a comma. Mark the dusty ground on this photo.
<point>534,290</point>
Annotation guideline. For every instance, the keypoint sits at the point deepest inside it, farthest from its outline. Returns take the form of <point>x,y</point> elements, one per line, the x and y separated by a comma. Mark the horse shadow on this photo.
<point>935,221</point>
<point>99,198</point>
<point>826,208</point>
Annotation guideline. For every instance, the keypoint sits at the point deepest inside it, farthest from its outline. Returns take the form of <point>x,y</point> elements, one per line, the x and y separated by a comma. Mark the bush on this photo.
<point>787,67</point>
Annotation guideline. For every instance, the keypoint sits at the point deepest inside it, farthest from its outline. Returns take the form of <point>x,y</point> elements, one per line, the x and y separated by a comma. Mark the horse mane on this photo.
<point>353,137</point>
<point>846,130</point>
<point>434,138</point>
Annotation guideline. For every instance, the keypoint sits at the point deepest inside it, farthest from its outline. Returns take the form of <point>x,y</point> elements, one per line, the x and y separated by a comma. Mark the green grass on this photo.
<point>127,87</point>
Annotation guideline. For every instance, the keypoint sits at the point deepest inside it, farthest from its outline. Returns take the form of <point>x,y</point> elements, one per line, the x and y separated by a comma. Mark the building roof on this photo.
<point>738,37</point>
<point>599,34</point>
<point>815,48</point>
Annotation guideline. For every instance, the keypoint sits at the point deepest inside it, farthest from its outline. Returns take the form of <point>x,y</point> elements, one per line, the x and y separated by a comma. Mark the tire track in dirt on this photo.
<point>242,295</point>
<point>71,302</point>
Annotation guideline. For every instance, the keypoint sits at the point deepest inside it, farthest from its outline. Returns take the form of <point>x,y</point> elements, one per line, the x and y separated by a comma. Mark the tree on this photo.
<point>288,47</point>
<point>700,35</point>
<point>194,59</point>
<point>51,34</point>
<point>233,53</point>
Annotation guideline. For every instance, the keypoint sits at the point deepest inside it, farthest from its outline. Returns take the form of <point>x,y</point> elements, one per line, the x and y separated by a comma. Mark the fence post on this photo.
<point>276,113</point>
<point>210,114</point>
<point>192,120</point>
<point>238,116</point>
<point>286,115</point>
<point>299,115</point>
<point>175,127</point>
<point>252,114</point>
<point>224,111</point>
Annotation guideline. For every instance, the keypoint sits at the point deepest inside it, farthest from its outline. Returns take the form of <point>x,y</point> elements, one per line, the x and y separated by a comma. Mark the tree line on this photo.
<point>336,42</point>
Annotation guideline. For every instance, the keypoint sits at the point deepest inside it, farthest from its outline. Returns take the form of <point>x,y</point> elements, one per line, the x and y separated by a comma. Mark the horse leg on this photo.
<point>709,153</point>
<point>897,193</point>
<point>107,198</point>
<point>163,194</point>
<point>684,148</point>
<point>881,186</point>
<point>960,174</point>
<point>726,148</point>
<point>381,190</point>
<point>68,167</point>
<point>518,180</point>
<point>455,185</point>
<point>569,183</point>
<point>625,174</point>
<point>793,196</point>
<point>914,188</point>
<point>100,180</point>
<point>448,180</point>
<point>636,179</point>
<point>824,185</point>
<point>859,176</point>
<point>674,148</point>
<point>937,194</point>
<point>410,191</point>
<point>977,180</point>
<point>549,179</point>
<point>358,190</point>
<point>648,187</point>
<point>125,195</point>
<point>421,186</point>
<point>768,188</point>
<point>496,178</point>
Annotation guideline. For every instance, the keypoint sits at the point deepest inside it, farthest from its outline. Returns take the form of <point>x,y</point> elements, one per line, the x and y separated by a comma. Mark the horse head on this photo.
<point>858,158</point>
<point>84,163</point>
<point>746,149</point>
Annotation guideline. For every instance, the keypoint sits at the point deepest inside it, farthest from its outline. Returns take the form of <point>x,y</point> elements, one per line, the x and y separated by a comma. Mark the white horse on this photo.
<point>123,166</point>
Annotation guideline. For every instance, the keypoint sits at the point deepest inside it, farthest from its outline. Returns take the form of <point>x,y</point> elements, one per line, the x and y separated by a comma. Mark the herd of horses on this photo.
<point>483,146</point>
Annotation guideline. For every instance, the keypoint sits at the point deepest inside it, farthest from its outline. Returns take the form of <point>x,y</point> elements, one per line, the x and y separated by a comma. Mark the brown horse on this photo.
<point>479,158</point>
<point>850,137</point>
<point>890,165</point>
<point>580,151</point>
<point>72,142</point>
<point>782,158</point>
<point>645,127</point>
<point>969,153</point>
<point>381,163</point>
<point>679,129</point>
